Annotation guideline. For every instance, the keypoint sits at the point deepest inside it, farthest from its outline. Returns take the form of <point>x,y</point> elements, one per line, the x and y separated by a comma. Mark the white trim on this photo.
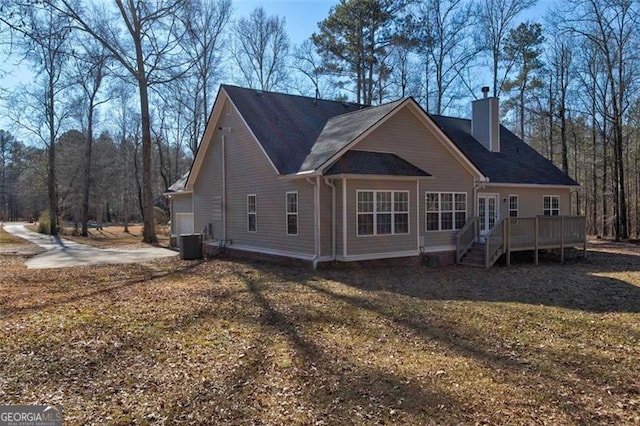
<point>344,217</point>
<point>255,212</point>
<point>377,177</point>
<point>517,209</point>
<point>551,204</point>
<point>374,256</point>
<point>486,195</point>
<point>438,249</point>
<point>453,210</point>
<point>273,252</point>
<point>392,213</point>
<point>529,185</point>
<point>286,213</point>
<point>171,194</point>
<point>417,214</point>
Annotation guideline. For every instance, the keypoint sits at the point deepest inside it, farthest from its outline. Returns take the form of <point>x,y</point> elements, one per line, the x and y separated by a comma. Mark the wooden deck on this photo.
<point>523,233</point>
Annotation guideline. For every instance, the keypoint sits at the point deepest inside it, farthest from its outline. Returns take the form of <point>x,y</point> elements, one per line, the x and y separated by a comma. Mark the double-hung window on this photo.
<point>292,213</point>
<point>551,205</point>
<point>382,212</point>
<point>252,213</point>
<point>513,206</point>
<point>445,211</point>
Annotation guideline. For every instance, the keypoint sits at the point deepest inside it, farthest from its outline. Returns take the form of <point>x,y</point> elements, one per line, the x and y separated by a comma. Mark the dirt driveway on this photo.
<point>61,253</point>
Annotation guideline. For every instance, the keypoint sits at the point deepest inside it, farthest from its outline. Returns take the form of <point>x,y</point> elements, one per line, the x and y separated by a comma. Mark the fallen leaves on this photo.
<point>250,342</point>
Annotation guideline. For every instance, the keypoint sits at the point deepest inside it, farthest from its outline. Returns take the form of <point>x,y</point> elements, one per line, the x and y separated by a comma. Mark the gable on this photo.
<point>421,126</point>
<point>286,126</point>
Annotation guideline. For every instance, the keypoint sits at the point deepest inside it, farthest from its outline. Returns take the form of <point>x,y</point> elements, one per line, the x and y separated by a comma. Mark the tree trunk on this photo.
<point>87,170</point>
<point>51,169</point>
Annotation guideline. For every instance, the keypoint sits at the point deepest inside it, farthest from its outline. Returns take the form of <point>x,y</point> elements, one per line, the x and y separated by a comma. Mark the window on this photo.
<point>292,213</point>
<point>445,211</point>
<point>551,205</point>
<point>513,206</point>
<point>382,212</point>
<point>252,213</point>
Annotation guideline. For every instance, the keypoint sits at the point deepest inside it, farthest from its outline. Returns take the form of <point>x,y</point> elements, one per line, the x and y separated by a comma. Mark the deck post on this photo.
<point>535,255</point>
<point>561,239</point>
<point>486,253</point>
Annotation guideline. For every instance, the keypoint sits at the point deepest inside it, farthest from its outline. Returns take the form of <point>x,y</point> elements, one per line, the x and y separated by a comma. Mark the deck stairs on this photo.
<point>474,256</point>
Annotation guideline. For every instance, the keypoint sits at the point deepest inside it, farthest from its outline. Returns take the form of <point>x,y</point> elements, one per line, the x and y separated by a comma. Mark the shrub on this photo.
<point>160,216</point>
<point>44,223</point>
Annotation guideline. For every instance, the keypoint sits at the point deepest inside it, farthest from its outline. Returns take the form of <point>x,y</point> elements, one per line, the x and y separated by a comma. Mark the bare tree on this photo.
<point>204,41</point>
<point>611,27</point>
<point>147,50</point>
<point>446,40</point>
<point>44,35</point>
<point>496,18</point>
<point>90,68</point>
<point>260,49</point>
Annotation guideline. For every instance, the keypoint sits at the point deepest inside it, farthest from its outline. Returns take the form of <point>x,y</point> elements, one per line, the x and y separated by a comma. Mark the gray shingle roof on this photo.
<point>180,184</point>
<point>516,162</point>
<point>374,163</point>
<point>300,133</point>
<point>341,130</point>
<point>286,126</point>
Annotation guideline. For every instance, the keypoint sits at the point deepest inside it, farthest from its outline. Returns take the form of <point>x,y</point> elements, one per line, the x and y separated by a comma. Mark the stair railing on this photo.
<point>495,243</point>
<point>466,237</point>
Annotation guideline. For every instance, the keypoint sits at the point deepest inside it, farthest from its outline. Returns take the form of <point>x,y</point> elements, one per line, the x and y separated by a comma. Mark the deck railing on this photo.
<point>526,233</point>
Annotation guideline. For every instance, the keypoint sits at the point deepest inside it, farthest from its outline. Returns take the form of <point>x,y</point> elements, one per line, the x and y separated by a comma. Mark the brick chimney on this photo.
<point>485,125</point>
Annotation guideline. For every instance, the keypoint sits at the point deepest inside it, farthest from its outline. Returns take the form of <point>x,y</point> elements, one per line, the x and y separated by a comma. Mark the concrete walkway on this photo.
<point>61,253</point>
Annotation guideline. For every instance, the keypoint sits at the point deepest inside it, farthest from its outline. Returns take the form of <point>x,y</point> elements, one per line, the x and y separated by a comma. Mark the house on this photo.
<point>324,180</point>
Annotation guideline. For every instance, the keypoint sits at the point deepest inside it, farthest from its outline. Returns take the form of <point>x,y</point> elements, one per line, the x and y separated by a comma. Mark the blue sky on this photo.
<point>302,17</point>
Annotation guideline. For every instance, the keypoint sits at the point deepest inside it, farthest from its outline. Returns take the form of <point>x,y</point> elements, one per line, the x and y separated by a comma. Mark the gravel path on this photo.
<point>60,253</point>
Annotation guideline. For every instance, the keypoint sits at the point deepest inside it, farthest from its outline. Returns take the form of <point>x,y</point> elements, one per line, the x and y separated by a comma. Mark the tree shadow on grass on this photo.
<point>330,388</point>
<point>579,284</point>
<point>42,303</point>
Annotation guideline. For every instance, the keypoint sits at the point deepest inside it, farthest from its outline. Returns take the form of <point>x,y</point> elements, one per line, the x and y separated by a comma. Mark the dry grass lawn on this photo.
<point>248,342</point>
<point>115,237</point>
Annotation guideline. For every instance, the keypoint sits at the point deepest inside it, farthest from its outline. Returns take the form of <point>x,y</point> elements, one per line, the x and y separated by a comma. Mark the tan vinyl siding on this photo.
<point>250,172</point>
<point>530,200</point>
<point>406,136</point>
<point>373,244</point>
<point>207,190</point>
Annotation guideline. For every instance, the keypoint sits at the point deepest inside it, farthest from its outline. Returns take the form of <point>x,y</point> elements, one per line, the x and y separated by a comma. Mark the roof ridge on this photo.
<point>247,89</point>
<point>367,108</point>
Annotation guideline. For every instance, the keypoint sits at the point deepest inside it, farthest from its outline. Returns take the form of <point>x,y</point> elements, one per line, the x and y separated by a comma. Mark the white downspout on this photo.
<point>329,183</point>
<point>224,192</point>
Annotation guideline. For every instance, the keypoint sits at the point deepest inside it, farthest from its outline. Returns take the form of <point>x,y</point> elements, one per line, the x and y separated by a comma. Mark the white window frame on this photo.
<point>288,213</point>
<point>551,209</point>
<point>453,210</point>
<point>393,212</point>
<point>253,213</point>
<point>517,209</point>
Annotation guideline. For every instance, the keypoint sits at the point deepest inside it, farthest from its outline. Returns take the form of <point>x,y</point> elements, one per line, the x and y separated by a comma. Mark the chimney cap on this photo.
<point>485,91</point>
